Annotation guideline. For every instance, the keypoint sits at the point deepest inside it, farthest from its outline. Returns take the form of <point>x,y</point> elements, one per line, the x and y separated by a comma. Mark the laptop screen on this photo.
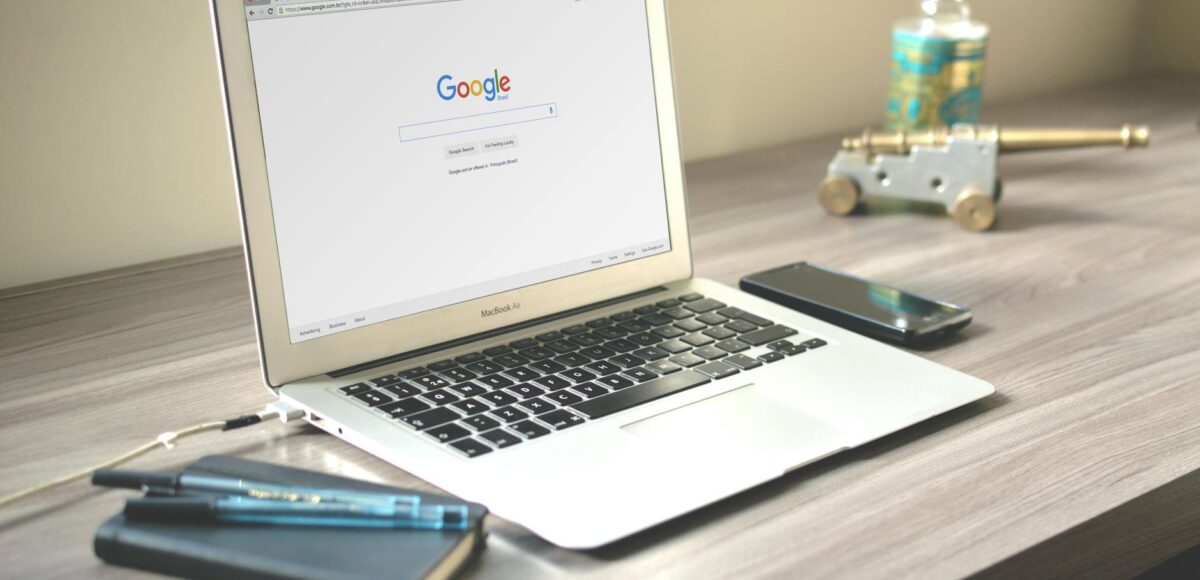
<point>425,153</point>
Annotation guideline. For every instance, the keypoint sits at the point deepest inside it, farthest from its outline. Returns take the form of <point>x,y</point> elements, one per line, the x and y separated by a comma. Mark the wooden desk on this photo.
<point>1086,296</point>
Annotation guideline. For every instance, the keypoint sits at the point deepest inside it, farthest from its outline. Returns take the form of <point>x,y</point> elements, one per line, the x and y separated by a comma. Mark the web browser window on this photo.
<point>426,153</point>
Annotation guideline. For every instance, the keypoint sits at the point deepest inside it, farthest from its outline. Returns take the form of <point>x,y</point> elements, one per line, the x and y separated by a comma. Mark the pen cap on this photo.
<point>171,509</point>
<point>134,479</point>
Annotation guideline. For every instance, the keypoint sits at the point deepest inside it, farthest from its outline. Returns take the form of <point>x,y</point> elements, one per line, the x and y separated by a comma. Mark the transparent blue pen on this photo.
<point>245,510</point>
<point>182,484</point>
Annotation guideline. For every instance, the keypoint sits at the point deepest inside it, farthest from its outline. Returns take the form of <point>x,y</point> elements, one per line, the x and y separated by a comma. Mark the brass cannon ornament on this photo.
<point>954,167</point>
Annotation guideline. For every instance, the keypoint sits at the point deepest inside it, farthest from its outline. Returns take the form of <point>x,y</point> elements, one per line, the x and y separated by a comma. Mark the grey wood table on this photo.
<point>1086,294</point>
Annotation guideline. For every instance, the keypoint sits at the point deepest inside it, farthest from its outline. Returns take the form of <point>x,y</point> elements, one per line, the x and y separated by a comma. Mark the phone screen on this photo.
<point>884,304</point>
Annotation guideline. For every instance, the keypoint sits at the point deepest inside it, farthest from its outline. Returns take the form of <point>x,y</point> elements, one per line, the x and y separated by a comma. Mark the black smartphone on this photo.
<point>866,307</point>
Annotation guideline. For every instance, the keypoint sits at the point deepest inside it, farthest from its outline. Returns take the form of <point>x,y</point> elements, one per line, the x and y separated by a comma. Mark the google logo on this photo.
<point>490,88</point>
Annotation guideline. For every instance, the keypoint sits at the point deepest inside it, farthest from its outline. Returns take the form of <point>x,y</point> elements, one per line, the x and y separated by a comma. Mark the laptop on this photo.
<point>467,240</point>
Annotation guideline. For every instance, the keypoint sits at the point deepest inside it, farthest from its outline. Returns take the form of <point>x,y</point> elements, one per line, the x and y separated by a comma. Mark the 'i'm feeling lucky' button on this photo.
<point>499,143</point>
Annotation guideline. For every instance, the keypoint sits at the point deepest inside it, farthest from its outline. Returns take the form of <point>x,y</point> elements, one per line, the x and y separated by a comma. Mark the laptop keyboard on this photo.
<point>532,387</point>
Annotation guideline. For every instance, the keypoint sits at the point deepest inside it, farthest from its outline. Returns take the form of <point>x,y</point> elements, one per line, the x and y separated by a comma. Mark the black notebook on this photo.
<point>232,551</point>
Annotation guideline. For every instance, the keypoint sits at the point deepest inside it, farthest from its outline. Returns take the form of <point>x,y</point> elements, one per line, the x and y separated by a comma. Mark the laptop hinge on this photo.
<point>491,333</point>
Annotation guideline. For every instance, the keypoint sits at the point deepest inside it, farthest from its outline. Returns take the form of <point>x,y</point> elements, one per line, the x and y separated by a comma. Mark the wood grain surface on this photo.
<point>1085,462</point>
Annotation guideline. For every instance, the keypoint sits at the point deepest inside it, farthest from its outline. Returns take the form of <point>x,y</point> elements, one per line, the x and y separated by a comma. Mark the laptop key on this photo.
<point>547,367</point>
<point>485,367</point>
<point>553,382</point>
<point>710,352</point>
<point>470,447</point>
<point>650,353</point>
<point>498,350</point>
<point>374,398</point>
<point>622,316</point>
<point>647,309</point>
<point>814,343</point>
<point>498,398</point>
<point>645,338</point>
<point>690,297</point>
<point>697,339</point>
<point>687,360</point>
<point>355,389</point>
<point>497,381</point>
<point>720,333</point>
<point>440,397</point>
<point>743,315</point>
<point>385,380</point>
<point>575,329</point>
<point>791,349</point>
<point>690,325</point>
<point>560,419</point>
<point>586,340</point>
<point>564,398</point>
<point>597,352</point>
<point>643,393</point>
<point>573,360</point>
<point>668,332</point>
<point>509,361</point>
<point>640,374</point>
<point>742,361</point>
<point>770,357</point>
<point>603,367</point>
<point>468,389</point>
<point>616,382</point>
<point>657,319</point>
<point>529,429</point>
<point>678,313</point>
<point>664,367</point>
<point>733,345</point>
<point>431,382</point>
<point>526,390</point>
<point>609,332</point>
<point>712,319</point>
<point>562,346</point>
<point>626,361</point>
<point>717,369</point>
<point>469,358</point>
<point>675,346</point>
<point>769,334</point>
<point>405,407</point>
<point>509,414</point>
<point>590,390</point>
<point>551,336</point>
<point>480,422</point>
<point>621,345</point>
<point>431,418</point>
<point>500,438</point>
<point>470,406</point>
<point>538,353</point>
<point>741,326</point>
<point>523,343</point>
<point>537,405</point>
<point>704,305</point>
<point>458,375</point>
<point>668,303</point>
<point>522,374</point>
<point>410,374</point>
<point>599,322</point>
<point>402,390</point>
<point>578,375</point>
<point>634,326</point>
<point>448,432</point>
<point>441,365</point>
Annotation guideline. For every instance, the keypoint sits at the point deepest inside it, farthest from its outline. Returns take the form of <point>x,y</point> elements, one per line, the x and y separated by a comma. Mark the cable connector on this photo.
<point>284,411</point>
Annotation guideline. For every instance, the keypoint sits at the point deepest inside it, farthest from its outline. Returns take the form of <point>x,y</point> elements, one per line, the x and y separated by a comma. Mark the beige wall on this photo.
<point>111,137</point>
<point>1170,38</point>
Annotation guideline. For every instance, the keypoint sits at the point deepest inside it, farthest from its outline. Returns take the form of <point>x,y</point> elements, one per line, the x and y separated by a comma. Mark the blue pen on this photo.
<point>245,510</point>
<point>177,484</point>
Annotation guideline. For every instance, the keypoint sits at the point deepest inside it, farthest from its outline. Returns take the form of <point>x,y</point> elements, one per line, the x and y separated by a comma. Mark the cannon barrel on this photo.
<point>1007,140</point>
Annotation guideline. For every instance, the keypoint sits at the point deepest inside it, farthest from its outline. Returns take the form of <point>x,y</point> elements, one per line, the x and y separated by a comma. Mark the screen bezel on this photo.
<point>284,361</point>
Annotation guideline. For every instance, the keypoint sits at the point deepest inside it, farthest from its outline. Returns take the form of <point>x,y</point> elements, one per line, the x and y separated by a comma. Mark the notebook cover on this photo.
<point>211,551</point>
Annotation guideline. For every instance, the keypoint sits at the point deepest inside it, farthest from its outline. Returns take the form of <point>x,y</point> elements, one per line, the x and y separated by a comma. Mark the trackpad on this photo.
<point>743,423</point>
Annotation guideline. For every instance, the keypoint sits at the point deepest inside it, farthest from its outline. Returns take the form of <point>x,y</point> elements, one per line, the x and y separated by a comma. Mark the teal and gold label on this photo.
<point>935,81</point>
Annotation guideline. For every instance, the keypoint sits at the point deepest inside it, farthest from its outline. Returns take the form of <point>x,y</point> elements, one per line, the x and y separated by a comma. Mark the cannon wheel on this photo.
<point>839,195</point>
<point>974,210</point>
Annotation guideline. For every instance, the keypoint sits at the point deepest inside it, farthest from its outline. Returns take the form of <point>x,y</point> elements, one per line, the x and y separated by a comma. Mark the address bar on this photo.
<point>341,5</point>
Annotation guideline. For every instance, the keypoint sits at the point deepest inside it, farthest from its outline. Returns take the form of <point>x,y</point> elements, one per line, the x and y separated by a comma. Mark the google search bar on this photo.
<point>479,122</point>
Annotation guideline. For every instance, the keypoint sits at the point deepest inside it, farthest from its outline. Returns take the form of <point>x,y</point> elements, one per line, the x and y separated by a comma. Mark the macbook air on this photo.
<point>467,240</point>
